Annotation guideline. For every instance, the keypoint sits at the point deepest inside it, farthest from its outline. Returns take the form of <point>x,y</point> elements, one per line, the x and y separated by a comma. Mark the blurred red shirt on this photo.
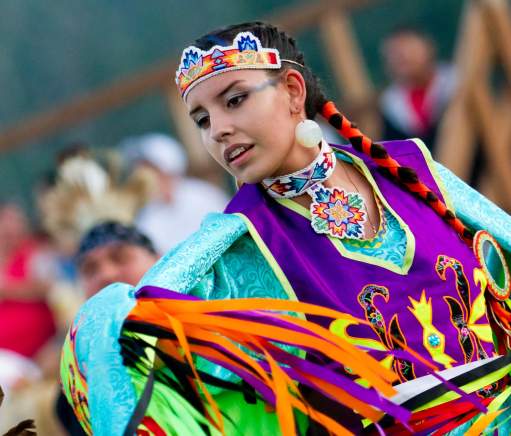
<point>25,325</point>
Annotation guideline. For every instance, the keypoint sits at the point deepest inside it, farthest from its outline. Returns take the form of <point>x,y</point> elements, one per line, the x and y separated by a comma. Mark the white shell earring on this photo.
<point>308,133</point>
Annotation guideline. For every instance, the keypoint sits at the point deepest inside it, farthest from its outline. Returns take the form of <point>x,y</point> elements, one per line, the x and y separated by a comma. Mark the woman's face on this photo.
<point>247,120</point>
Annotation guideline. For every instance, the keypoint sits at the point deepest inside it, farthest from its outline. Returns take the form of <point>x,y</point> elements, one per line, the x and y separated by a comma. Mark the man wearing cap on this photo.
<point>109,252</point>
<point>112,252</point>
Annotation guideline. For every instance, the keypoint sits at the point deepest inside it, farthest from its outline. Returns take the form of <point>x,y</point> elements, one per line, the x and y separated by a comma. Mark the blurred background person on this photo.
<point>113,252</point>
<point>179,203</point>
<point>26,275</point>
<point>27,321</point>
<point>420,86</point>
<point>87,210</point>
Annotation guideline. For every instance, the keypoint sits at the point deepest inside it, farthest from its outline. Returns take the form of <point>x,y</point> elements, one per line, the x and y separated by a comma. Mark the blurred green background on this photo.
<point>52,51</point>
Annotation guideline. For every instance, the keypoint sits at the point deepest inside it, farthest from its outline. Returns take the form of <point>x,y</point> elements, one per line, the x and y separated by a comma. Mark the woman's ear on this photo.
<point>294,84</point>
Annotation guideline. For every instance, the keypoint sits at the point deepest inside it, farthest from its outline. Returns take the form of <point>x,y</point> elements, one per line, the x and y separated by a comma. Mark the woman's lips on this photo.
<point>236,155</point>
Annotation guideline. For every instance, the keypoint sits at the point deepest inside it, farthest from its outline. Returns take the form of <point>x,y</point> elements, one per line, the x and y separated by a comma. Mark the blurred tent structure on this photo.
<point>480,109</point>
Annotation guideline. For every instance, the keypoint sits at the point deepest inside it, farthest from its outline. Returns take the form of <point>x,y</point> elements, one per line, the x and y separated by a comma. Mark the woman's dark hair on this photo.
<point>316,103</point>
<point>270,36</point>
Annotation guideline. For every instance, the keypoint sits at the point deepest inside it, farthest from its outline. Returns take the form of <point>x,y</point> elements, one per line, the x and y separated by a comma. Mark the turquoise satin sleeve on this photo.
<point>184,267</point>
<point>475,210</point>
<point>220,261</point>
<point>99,324</point>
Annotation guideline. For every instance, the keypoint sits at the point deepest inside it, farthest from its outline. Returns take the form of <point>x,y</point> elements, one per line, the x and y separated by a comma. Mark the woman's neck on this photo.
<point>299,157</point>
<point>348,178</point>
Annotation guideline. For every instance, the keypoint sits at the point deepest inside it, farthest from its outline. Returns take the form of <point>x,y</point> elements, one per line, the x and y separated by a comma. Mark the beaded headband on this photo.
<point>246,52</point>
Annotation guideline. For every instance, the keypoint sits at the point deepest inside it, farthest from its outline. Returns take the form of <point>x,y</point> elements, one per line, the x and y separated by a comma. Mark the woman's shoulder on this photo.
<point>181,267</point>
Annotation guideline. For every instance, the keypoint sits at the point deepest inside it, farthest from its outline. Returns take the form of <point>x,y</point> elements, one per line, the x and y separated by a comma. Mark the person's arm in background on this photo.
<point>38,281</point>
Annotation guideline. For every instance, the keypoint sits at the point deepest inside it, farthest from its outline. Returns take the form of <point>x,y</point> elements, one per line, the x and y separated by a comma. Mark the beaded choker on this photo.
<point>334,211</point>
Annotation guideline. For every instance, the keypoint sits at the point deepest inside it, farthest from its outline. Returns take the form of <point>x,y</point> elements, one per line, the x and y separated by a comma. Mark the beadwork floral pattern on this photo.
<point>338,213</point>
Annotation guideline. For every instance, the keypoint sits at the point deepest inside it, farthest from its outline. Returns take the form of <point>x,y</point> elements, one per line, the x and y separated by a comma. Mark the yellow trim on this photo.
<point>340,326</point>
<point>281,277</point>
<point>277,270</point>
<point>434,172</point>
<point>410,239</point>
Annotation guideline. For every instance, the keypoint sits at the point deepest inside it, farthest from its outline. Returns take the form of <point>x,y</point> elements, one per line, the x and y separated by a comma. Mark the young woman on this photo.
<point>378,233</point>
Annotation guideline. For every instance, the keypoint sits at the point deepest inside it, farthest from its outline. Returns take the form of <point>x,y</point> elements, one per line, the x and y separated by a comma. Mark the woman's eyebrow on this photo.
<point>228,88</point>
<point>219,95</point>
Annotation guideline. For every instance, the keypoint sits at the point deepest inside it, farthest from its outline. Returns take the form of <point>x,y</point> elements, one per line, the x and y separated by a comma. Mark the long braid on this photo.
<point>407,176</point>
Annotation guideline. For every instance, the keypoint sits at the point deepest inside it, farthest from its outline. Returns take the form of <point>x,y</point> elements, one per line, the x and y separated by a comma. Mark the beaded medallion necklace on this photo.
<point>334,211</point>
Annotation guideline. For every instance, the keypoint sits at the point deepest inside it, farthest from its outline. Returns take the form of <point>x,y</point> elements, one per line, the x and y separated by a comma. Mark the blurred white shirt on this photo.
<point>167,224</point>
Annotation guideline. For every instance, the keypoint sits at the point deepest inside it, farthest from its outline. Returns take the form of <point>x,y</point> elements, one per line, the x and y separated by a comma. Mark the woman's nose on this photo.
<point>220,127</point>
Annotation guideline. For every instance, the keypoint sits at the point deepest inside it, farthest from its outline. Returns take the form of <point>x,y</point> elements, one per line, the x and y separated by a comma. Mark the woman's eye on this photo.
<point>202,122</point>
<point>236,100</point>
